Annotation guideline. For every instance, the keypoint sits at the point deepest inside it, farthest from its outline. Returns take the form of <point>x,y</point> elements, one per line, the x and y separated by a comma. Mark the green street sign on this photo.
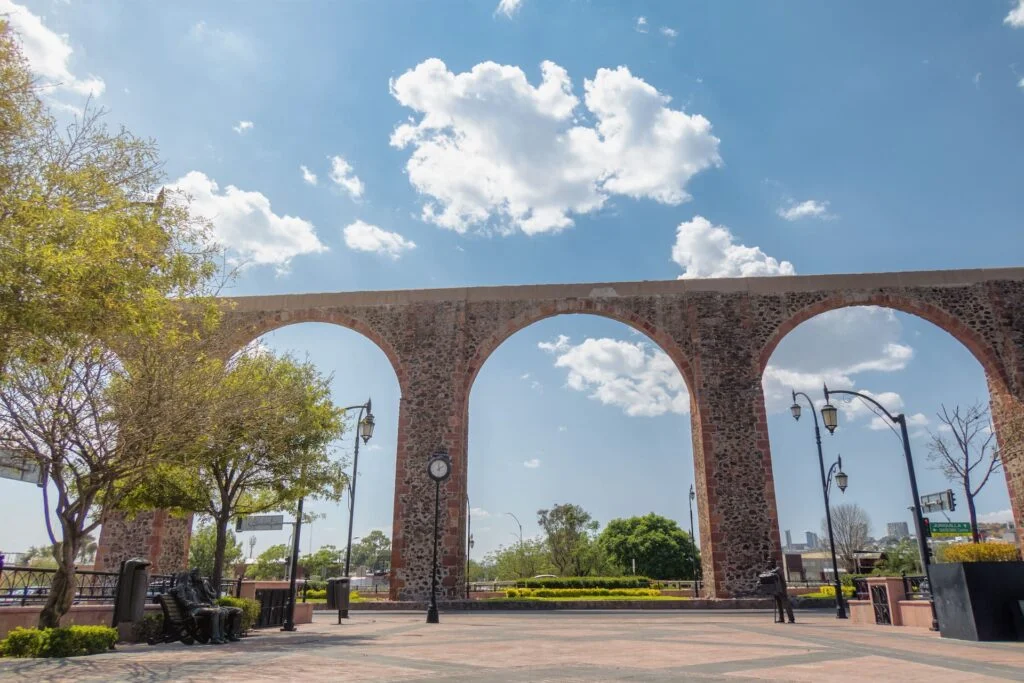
<point>948,529</point>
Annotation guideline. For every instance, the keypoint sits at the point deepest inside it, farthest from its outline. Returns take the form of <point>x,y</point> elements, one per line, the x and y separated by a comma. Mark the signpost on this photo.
<point>20,468</point>
<point>943,500</point>
<point>260,523</point>
<point>950,529</point>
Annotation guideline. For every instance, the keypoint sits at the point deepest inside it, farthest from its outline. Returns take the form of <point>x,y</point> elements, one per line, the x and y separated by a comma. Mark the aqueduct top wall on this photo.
<point>720,333</point>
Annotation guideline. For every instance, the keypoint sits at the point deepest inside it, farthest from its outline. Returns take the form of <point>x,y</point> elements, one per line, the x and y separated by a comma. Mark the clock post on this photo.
<point>439,468</point>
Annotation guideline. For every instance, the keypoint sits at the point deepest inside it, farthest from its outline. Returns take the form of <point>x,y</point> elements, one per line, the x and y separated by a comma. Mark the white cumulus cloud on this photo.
<point>245,223</point>
<point>362,236</point>
<point>811,208</point>
<point>308,176</point>
<point>704,250</point>
<point>48,53</point>
<point>242,127</point>
<point>641,25</point>
<point>490,147</point>
<point>508,7</point>
<point>344,177</point>
<point>636,377</point>
<point>669,32</point>
<point>532,463</point>
<point>1016,16</point>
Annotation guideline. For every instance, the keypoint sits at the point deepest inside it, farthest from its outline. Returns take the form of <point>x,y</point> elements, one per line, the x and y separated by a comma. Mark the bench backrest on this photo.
<point>172,610</point>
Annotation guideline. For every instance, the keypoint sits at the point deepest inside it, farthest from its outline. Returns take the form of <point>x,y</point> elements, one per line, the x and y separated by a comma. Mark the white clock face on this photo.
<point>439,468</point>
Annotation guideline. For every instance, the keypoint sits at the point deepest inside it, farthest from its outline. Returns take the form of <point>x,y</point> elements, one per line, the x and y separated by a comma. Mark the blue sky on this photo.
<point>366,145</point>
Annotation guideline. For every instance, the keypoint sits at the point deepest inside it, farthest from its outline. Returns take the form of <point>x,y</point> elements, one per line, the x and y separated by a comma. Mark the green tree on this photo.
<point>481,571</point>
<point>661,549</point>
<point>89,245</point>
<point>93,257</point>
<point>523,560</point>
<point>202,550</point>
<point>569,533</point>
<point>903,558</point>
<point>373,551</point>
<point>267,427</point>
<point>271,564</point>
<point>323,563</point>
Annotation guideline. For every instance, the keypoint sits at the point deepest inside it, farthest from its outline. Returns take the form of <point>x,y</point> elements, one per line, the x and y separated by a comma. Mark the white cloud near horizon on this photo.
<point>48,53</point>
<point>704,250</point>
<point>245,223</point>
<point>491,150</point>
<point>997,516</point>
<point>343,175</point>
<point>362,236</point>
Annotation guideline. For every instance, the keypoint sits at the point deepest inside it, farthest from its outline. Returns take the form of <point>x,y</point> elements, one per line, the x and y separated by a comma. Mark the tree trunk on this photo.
<point>218,555</point>
<point>974,518</point>
<point>62,587</point>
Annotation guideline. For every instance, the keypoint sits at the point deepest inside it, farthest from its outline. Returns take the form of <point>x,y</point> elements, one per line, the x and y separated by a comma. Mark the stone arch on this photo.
<point>491,342</point>
<point>985,354</point>
<point>248,331</point>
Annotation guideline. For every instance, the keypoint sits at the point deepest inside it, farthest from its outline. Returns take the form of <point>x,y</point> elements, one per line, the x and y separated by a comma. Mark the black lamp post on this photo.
<point>830,416</point>
<point>469,541</point>
<point>693,539</point>
<point>439,467</point>
<point>826,484</point>
<point>289,615</point>
<point>365,431</point>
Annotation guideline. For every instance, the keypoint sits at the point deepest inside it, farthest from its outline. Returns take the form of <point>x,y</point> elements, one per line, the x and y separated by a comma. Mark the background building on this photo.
<point>898,530</point>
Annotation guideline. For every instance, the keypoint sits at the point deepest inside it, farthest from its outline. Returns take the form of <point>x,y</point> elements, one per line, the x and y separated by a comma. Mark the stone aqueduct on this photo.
<point>720,333</point>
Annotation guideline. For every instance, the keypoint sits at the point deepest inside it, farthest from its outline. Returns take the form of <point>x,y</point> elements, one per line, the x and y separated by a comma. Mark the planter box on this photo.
<point>978,600</point>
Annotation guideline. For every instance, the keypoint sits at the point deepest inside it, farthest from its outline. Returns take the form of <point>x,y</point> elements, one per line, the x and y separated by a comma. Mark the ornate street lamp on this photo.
<point>439,468</point>
<point>364,431</point>
<point>901,420</point>
<point>826,482</point>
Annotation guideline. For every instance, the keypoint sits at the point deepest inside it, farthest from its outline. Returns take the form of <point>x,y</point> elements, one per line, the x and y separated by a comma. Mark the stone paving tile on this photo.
<point>864,668</point>
<point>554,646</point>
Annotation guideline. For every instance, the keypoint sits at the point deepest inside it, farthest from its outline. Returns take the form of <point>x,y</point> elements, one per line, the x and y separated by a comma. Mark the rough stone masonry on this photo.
<point>720,333</point>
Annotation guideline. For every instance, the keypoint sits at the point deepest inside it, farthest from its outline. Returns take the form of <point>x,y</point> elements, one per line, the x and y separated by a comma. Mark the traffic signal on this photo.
<point>926,527</point>
<point>951,499</point>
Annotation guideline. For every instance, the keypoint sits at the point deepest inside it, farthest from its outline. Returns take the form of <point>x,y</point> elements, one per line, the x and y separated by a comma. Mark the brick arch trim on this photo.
<point>491,343</point>
<point>269,324</point>
<point>942,319</point>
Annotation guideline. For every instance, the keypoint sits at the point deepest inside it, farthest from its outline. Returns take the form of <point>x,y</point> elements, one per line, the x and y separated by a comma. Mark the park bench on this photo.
<point>179,624</point>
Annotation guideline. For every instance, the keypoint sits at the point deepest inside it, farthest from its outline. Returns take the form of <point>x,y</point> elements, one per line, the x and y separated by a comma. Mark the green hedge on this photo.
<point>250,610</point>
<point>66,641</point>
<point>316,594</point>
<point>610,582</point>
<point>581,592</point>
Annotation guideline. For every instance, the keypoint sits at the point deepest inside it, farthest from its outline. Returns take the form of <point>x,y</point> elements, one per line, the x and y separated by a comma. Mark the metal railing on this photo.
<point>916,587</point>
<point>22,586</point>
<point>28,586</point>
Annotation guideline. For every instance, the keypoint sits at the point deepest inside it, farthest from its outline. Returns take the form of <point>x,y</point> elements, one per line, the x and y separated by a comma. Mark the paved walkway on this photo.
<point>556,646</point>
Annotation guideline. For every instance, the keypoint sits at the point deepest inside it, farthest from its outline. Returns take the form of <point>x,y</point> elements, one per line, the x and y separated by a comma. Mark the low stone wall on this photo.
<point>912,613</point>
<point>80,615</point>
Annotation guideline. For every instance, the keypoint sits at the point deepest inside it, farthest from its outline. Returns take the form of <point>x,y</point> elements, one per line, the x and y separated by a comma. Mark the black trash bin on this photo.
<point>132,584</point>
<point>337,595</point>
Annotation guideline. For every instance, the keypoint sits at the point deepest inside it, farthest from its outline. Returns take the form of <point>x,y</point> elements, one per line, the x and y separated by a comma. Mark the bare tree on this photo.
<point>850,527</point>
<point>972,458</point>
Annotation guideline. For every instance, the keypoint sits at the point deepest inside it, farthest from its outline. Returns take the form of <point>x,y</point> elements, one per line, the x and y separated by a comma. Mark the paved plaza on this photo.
<point>555,646</point>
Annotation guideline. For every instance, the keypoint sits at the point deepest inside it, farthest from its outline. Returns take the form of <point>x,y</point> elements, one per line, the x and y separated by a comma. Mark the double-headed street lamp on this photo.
<point>830,416</point>
<point>364,432</point>
<point>826,483</point>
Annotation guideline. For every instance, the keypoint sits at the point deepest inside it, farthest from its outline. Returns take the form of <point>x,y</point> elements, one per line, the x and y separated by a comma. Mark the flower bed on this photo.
<point>519,593</point>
